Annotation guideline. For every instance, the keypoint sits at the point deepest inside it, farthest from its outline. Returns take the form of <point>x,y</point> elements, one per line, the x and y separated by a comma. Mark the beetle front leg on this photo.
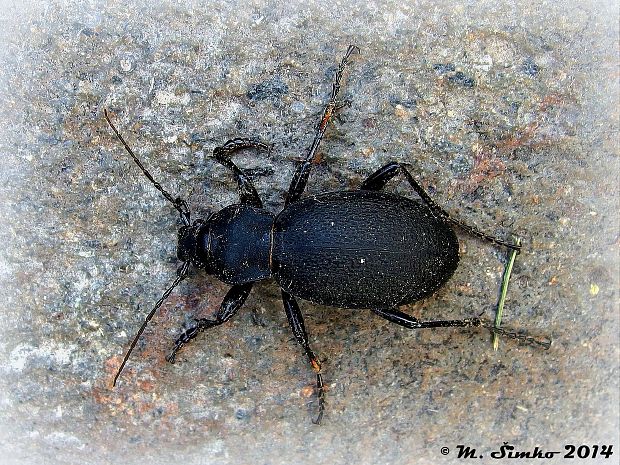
<point>296,320</point>
<point>247,191</point>
<point>378,180</point>
<point>232,302</point>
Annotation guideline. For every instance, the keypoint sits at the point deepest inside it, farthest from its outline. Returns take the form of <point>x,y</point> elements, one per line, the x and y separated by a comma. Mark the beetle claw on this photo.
<point>171,357</point>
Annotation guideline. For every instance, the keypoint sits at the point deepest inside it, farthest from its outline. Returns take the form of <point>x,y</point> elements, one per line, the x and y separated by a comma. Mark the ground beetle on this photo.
<point>361,249</point>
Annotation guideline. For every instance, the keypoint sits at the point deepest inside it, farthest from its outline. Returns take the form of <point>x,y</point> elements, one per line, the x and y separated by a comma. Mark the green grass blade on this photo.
<point>503,291</point>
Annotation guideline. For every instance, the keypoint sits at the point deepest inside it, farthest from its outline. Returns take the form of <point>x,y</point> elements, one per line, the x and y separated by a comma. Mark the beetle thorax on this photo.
<point>188,240</point>
<point>236,246</point>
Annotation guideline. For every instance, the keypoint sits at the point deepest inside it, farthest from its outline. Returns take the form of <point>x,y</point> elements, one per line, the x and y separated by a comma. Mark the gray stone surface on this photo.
<point>507,111</point>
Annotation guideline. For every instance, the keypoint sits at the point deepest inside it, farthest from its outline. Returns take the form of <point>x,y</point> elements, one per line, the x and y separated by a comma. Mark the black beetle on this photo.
<point>351,249</point>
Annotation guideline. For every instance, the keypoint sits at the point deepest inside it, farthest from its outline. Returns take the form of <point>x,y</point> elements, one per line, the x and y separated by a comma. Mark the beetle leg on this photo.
<point>396,316</point>
<point>400,318</point>
<point>378,180</point>
<point>296,320</point>
<point>247,191</point>
<point>233,300</point>
<point>258,172</point>
<point>300,178</point>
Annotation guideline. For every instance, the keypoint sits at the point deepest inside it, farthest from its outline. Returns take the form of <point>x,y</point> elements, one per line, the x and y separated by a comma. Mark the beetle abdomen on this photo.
<point>361,249</point>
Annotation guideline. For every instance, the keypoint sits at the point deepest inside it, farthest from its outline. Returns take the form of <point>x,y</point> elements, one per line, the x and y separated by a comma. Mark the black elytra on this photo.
<point>363,249</point>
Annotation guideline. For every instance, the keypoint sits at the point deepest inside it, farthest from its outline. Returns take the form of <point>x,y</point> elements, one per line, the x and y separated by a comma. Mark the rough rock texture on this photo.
<point>507,112</point>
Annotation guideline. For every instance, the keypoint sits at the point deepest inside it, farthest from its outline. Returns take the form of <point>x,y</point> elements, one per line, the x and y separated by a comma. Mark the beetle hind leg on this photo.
<point>403,319</point>
<point>296,320</point>
<point>378,180</point>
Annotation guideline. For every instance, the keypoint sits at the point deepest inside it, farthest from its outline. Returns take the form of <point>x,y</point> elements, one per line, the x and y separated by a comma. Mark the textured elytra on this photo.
<point>362,249</point>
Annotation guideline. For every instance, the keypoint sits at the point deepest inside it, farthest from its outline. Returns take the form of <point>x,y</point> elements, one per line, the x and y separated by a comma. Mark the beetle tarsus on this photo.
<point>233,300</point>
<point>320,392</point>
<point>247,191</point>
<point>300,177</point>
<point>519,336</point>
<point>187,336</point>
<point>296,320</point>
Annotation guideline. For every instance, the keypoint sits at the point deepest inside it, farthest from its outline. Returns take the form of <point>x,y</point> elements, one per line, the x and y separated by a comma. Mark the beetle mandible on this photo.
<point>361,249</point>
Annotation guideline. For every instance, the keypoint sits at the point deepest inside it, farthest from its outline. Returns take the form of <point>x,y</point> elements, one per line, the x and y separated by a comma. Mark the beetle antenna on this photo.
<point>182,274</point>
<point>178,203</point>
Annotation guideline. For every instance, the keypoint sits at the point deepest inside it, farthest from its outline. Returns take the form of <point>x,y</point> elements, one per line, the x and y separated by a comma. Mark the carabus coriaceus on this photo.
<point>361,249</point>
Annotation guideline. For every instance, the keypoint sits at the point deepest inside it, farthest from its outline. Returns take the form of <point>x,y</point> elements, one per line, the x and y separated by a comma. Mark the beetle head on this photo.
<point>188,243</point>
<point>186,248</point>
<point>187,240</point>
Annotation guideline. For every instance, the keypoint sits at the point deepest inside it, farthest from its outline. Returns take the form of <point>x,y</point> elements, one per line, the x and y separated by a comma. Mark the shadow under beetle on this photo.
<point>361,249</point>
